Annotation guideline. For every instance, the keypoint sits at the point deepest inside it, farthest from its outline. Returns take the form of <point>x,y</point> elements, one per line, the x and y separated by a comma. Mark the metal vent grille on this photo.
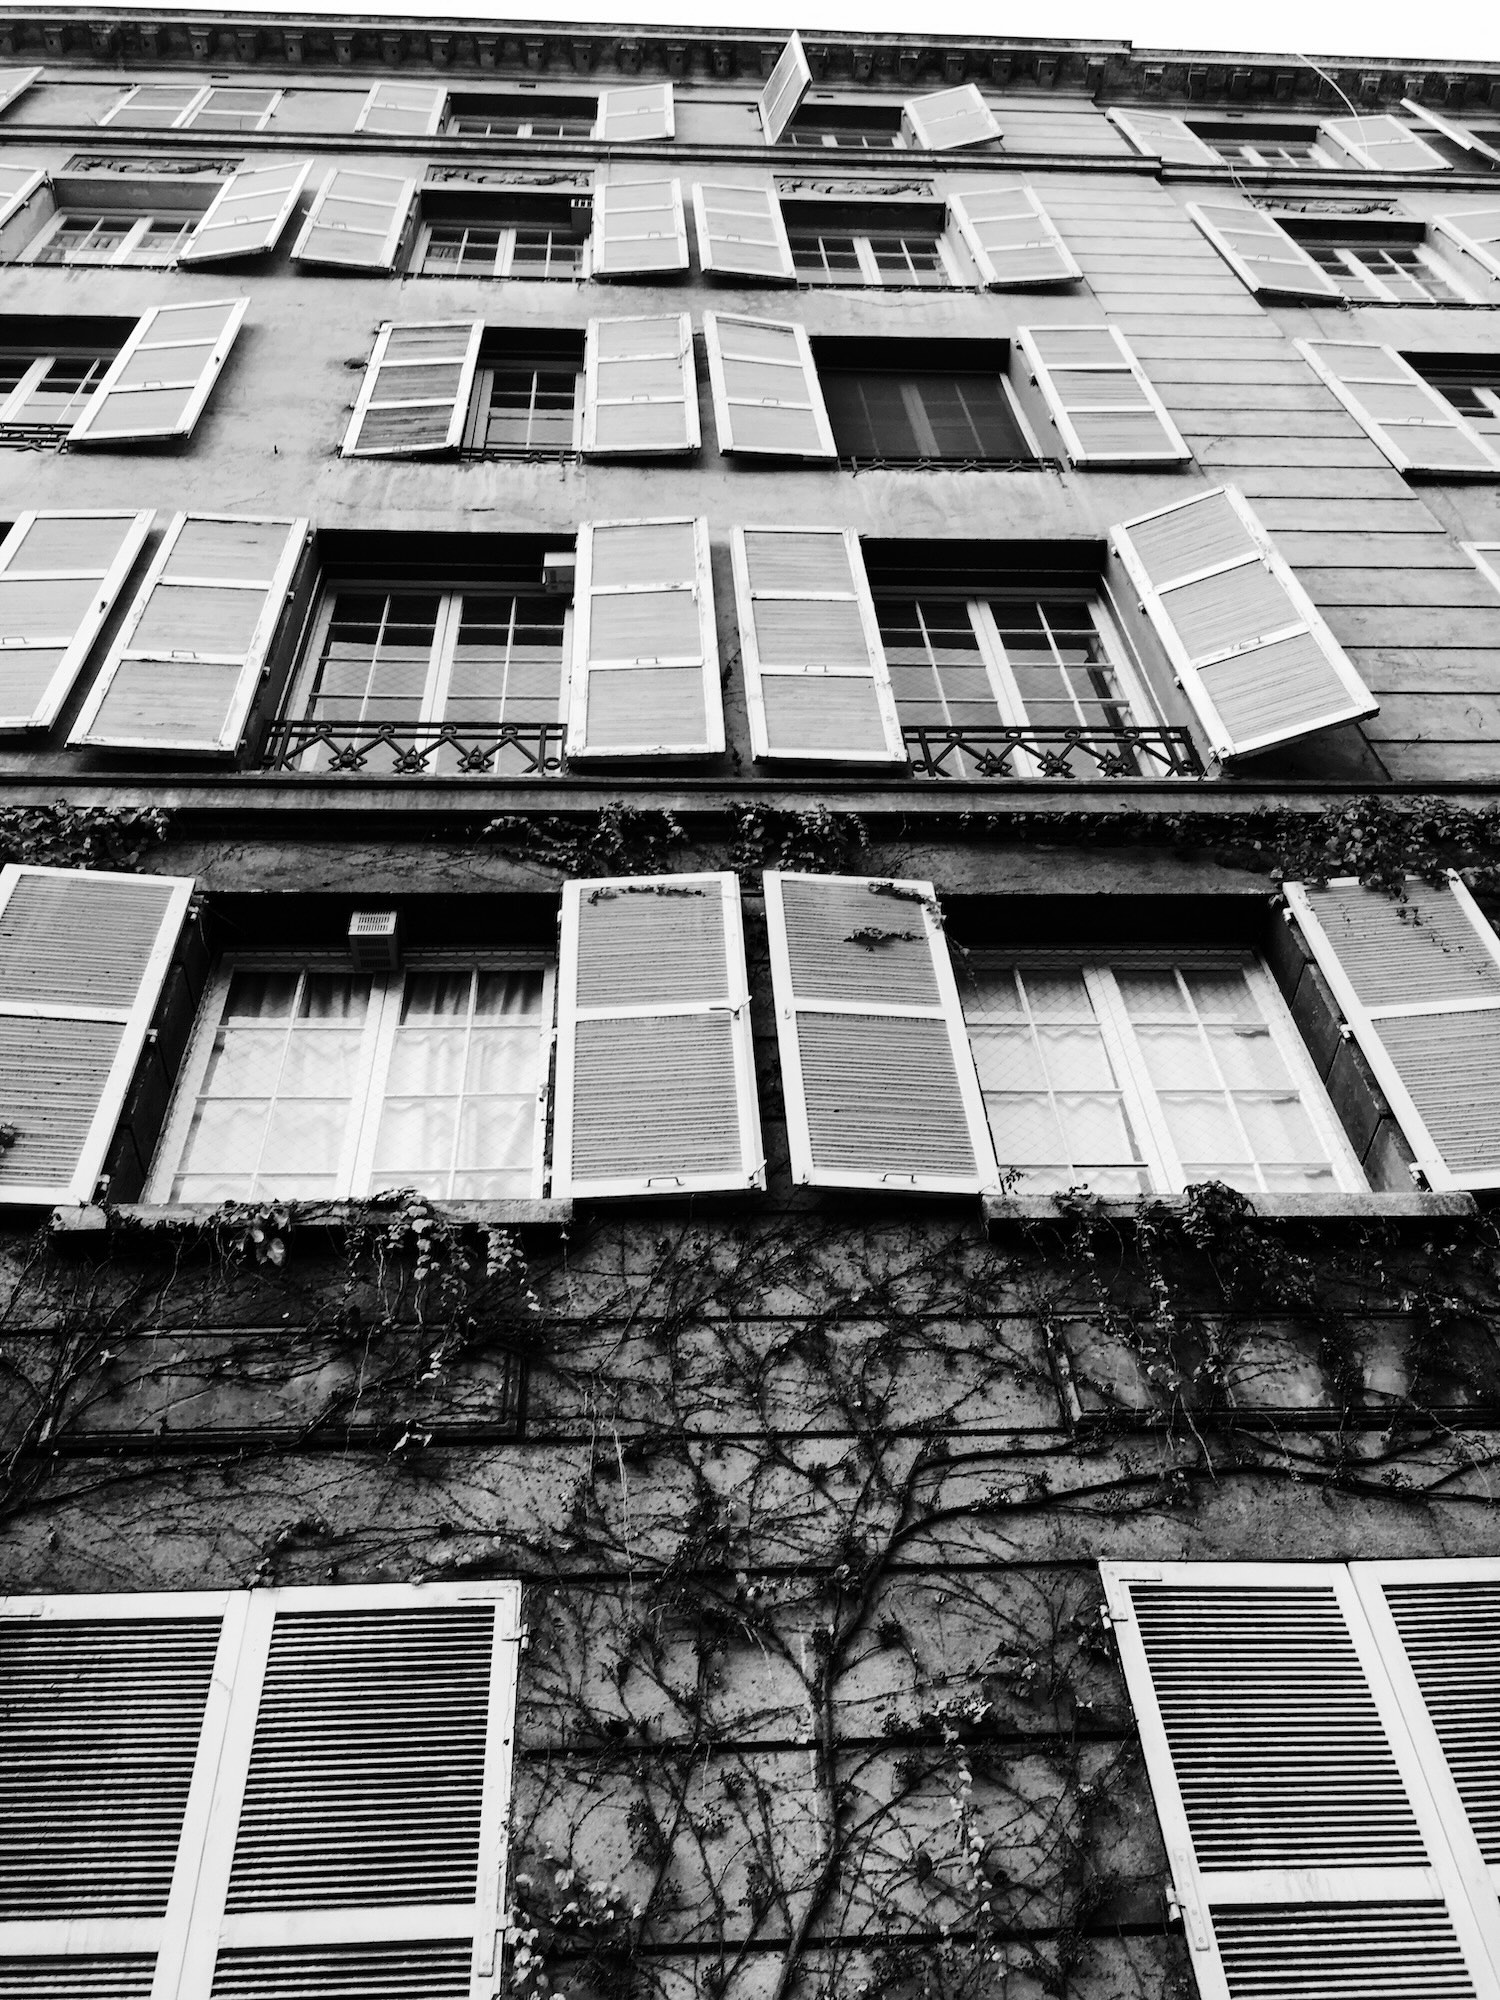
<point>1451,1632</point>
<point>76,1978</point>
<point>429,1971</point>
<point>1389,1951</point>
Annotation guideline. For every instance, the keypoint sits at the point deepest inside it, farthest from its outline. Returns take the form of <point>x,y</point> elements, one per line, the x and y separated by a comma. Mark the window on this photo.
<point>527,403</point>
<point>1433,415</point>
<point>935,123</point>
<point>501,250</point>
<point>1373,142</point>
<point>835,256</point>
<point>1390,269</point>
<point>42,394</point>
<point>104,236</point>
<point>1268,148</point>
<point>204,107</point>
<point>1471,385</point>
<point>865,127</point>
<point>112,382</point>
<point>913,402</point>
<point>498,117</point>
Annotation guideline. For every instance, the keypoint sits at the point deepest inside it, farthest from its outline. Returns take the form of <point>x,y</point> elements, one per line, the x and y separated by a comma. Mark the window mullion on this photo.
<point>287,1033</point>
<point>1138,696</point>
<point>26,388</point>
<point>1125,1052</point>
<point>368,1092</point>
<point>864,250</point>
<point>1001,676</point>
<point>505,253</point>
<point>1311,1091</point>
<point>440,660</point>
<point>1231,1102</point>
<point>192,1073</point>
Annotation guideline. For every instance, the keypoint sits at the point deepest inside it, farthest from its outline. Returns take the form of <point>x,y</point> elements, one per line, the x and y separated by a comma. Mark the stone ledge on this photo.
<point>144,1219</point>
<point>1001,1211</point>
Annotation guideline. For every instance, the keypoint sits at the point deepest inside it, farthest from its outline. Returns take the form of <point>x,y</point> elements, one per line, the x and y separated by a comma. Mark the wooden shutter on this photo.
<point>786,86</point>
<point>403,107</point>
<point>1164,136</point>
<point>82,960</point>
<point>1306,1850</point>
<point>741,232</point>
<point>876,1071</point>
<point>1254,658</point>
<point>1456,134</point>
<point>948,118</point>
<point>655,1072</point>
<point>14,83</point>
<point>816,680</point>
<point>1476,231</point>
<point>1419,985</point>
<point>357,220</point>
<point>1106,410</point>
<point>415,395</point>
<point>248,213</point>
<point>17,185</point>
<point>185,668</point>
<point>645,671</point>
<point>1417,428</point>
<point>1384,144</point>
<point>634,112</point>
<point>159,381</point>
<point>59,577</point>
<point>765,388</point>
<point>640,388</point>
<point>1260,253</point>
<point>1013,240</point>
<point>639,229</point>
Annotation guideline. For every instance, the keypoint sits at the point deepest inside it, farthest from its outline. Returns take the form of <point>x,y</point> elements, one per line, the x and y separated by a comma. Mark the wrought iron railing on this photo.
<point>404,749</point>
<point>1016,750</point>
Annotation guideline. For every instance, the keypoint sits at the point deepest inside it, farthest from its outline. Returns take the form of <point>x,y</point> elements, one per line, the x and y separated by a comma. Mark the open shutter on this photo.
<point>17,185</point>
<point>1456,134</point>
<point>635,111</point>
<point>59,576</point>
<point>645,672</point>
<point>1419,984</point>
<point>786,86</point>
<point>816,680</point>
<point>1476,231</point>
<point>948,118</point>
<point>878,1078</point>
<point>765,388</point>
<point>741,232</point>
<point>1163,136</point>
<point>1260,253</point>
<point>1106,410</point>
<point>1384,145</point>
<point>248,213</point>
<point>357,220</point>
<point>639,228</point>
<point>640,388</point>
<point>655,1071</point>
<point>1417,428</point>
<point>1254,658</point>
<point>159,381</point>
<point>14,83</point>
<point>83,957</point>
<point>415,395</point>
<point>403,107</point>
<point>185,668</point>
<point>1014,241</point>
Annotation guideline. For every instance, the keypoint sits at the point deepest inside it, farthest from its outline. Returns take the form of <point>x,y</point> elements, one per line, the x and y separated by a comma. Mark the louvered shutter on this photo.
<point>415,395</point>
<point>655,1072</point>
<point>1476,231</point>
<point>640,388</point>
<point>403,107</point>
<point>157,384</point>
<point>357,220</point>
<point>1106,410</point>
<point>948,118</point>
<point>876,1071</point>
<point>14,82</point>
<point>82,960</point>
<point>741,232</point>
<point>639,228</point>
<point>1419,985</point>
<point>1417,428</point>
<point>1384,144</point>
<point>248,213</point>
<point>17,185</point>
<point>1014,241</point>
<point>1163,136</point>
<point>816,680</point>
<point>1307,1854</point>
<point>765,388</point>
<point>1260,253</point>
<point>645,668</point>
<point>786,86</point>
<point>59,576</point>
<point>183,673</point>
<point>634,112</point>
<point>1254,658</point>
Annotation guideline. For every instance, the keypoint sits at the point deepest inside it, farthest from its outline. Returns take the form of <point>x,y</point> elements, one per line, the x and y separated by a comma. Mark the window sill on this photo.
<point>536,1219</point>
<point>1010,1211</point>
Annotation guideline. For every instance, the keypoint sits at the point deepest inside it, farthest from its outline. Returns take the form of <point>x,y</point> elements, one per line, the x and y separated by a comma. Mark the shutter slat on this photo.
<point>1475,231</point>
<point>1384,144</point>
<point>414,398</point>
<point>1013,240</point>
<point>159,381</point>
<point>403,107</point>
<point>357,220</point>
<point>1413,424</point>
<point>640,387</point>
<point>741,232</point>
<point>765,388</point>
<point>60,575</point>
<point>635,112</point>
<point>1164,136</point>
<point>248,213</point>
<point>947,119</point>
<point>1105,409</point>
<point>1260,252</point>
<point>639,228</point>
<point>17,185</point>
<point>786,86</point>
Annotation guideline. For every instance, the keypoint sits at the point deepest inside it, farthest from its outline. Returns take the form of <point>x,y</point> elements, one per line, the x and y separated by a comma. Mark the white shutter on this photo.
<point>1307,1853</point>
<point>1254,658</point>
<point>1164,136</point>
<point>185,668</point>
<point>640,388</point>
<point>1486,559</point>
<point>816,680</point>
<point>1476,231</point>
<point>17,185</point>
<point>1013,239</point>
<point>357,220</point>
<point>1417,428</point>
<point>415,108</point>
<point>655,1070</point>
<point>159,381</point>
<point>59,577</point>
<point>876,1070</point>
<point>634,112</point>
<point>639,228</point>
<point>1260,253</point>
<point>741,232</point>
<point>1457,135</point>
<point>1106,410</point>
<point>947,119</point>
<point>645,668</point>
<point>83,957</point>
<point>14,82</point>
<point>415,395</point>
<point>248,213</point>
<point>1384,144</point>
<point>765,388</point>
<point>1419,985</point>
<point>786,86</point>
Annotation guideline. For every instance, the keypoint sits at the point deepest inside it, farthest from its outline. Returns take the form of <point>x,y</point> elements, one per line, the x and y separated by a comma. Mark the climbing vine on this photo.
<point>64,836</point>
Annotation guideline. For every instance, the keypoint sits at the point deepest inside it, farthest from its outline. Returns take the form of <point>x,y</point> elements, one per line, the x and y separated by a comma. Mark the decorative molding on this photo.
<point>515,178</point>
<point>141,165</point>
<point>869,188</point>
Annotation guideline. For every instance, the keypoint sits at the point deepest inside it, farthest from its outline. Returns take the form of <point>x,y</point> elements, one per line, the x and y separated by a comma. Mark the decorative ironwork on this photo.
<point>1017,750</point>
<point>404,749</point>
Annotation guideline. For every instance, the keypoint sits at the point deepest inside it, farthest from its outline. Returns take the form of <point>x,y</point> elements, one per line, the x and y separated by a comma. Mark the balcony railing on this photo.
<point>1016,750</point>
<point>405,749</point>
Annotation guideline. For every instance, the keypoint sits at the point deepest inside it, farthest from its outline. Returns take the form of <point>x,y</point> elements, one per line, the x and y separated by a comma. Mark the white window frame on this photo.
<point>78,643</point>
<point>15,83</point>
<point>1176,453</point>
<point>505,252</point>
<point>1486,559</point>
<point>1351,256</point>
<point>1250,155</point>
<point>870,272</point>
<point>1484,250</point>
<point>1350,150</point>
<point>139,227</point>
<point>200,102</point>
<point>30,179</point>
<point>13,406</point>
<point>477,412</point>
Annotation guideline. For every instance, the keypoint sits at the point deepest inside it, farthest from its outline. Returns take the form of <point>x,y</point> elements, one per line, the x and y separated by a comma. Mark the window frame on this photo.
<point>201,101</point>
<point>140,224</point>
<point>1032,455</point>
<point>471,441</point>
<point>505,251</point>
<point>870,273</point>
<point>1378,292</point>
<point>13,404</point>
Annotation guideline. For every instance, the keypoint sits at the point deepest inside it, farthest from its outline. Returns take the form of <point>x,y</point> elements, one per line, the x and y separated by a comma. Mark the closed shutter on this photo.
<point>1163,136</point>
<point>1014,241</point>
<point>1385,145</point>
<point>357,220</point>
<point>248,213</point>
<point>655,1072</point>
<point>639,228</point>
<point>1306,1850</point>
<point>741,232</point>
<point>415,395</point>
<point>1417,428</point>
<point>1106,410</point>
<point>636,111</point>
<point>1419,985</point>
<point>947,119</point>
<point>879,1082</point>
<point>1256,661</point>
<point>640,388</point>
<point>816,681</point>
<point>17,185</point>
<point>185,668</point>
<point>786,86</point>
<point>645,671</point>
<point>14,82</point>
<point>159,381</point>
<point>765,388</point>
<point>59,576</point>
<point>1258,250</point>
<point>1476,231</point>
<point>403,107</point>
<point>82,960</point>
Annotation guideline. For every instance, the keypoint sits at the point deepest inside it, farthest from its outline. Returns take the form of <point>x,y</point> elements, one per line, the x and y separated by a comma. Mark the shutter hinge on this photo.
<point>1117,1609</point>
<point>489,1951</point>
<point>1183,1901</point>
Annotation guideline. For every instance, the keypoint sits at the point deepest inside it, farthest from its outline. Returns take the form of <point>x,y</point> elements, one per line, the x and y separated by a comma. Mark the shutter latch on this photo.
<point>1182,1901</point>
<point>489,1952</point>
